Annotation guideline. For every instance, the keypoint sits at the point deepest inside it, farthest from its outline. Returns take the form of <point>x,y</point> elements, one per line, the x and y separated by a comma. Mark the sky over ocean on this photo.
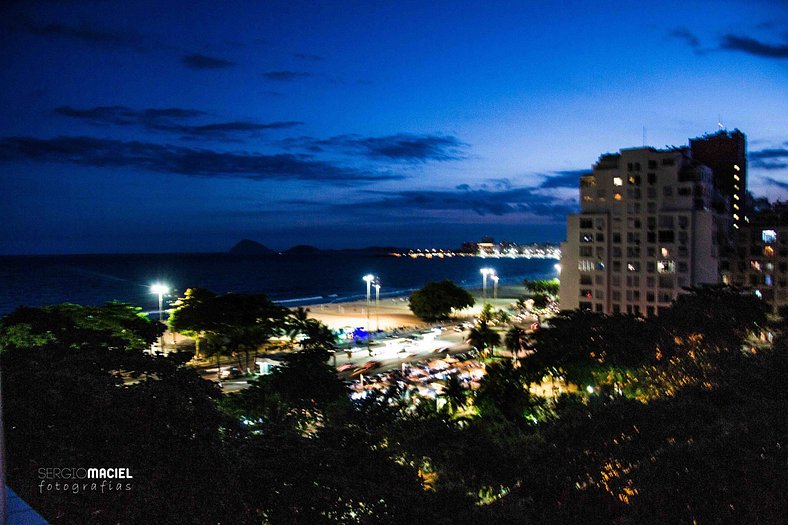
<point>186,126</point>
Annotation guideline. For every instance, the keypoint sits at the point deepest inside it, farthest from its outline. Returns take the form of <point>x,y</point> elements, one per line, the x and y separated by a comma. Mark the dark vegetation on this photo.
<point>436,301</point>
<point>686,424</point>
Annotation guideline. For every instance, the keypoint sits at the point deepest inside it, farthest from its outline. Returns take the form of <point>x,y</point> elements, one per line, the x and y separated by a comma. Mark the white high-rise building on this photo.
<point>651,223</point>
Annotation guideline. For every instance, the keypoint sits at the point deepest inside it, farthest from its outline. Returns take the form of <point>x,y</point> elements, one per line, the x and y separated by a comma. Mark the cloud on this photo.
<point>481,202</point>
<point>769,159</point>
<point>169,120</point>
<point>309,57</point>
<point>684,34</point>
<point>564,179</point>
<point>198,61</point>
<point>86,34</point>
<point>753,47</point>
<point>779,183</point>
<point>404,147</point>
<point>286,76</point>
<point>103,153</point>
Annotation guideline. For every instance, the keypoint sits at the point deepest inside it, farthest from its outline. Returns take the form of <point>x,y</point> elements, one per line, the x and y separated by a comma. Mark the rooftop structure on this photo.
<point>725,152</point>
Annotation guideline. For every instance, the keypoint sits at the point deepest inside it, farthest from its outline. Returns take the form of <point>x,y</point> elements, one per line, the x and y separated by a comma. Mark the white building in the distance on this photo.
<point>651,222</point>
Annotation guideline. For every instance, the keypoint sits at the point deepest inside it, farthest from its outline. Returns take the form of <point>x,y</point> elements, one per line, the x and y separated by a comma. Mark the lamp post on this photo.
<point>485,272</point>
<point>161,290</point>
<point>495,286</point>
<point>377,304</point>
<point>368,279</point>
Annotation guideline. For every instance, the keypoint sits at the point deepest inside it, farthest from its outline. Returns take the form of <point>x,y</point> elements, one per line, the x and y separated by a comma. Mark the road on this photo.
<point>391,353</point>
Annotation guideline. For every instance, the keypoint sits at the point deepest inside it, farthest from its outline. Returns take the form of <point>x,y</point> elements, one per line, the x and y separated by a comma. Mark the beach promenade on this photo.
<point>391,313</point>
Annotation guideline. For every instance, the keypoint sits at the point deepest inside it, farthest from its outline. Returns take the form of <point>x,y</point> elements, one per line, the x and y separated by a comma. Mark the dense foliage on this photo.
<point>685,425</point>
<point>436,301</point>
<point>543,286</point>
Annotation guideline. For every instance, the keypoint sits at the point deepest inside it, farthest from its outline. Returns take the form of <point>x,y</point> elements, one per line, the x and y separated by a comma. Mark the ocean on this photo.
<point>289,279</point>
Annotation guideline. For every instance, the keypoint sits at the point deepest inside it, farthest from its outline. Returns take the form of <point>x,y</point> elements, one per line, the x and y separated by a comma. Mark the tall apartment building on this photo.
<point>761,262</point>
<point>726,154</point>
<point>651,222</point>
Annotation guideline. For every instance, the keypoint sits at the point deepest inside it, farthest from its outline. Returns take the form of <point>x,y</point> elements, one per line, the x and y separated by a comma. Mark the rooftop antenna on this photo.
<point>719,122</point>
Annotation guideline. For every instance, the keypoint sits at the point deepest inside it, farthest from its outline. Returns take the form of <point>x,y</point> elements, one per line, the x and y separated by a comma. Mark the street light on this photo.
<point>495,286</point>
<point>161,290</point>
<point>377,303</point>
<point>368,279</point>
<point>485,272</point>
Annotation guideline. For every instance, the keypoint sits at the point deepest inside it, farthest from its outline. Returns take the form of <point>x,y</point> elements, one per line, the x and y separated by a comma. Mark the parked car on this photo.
<point>345,367</point>
<point>231,373</point>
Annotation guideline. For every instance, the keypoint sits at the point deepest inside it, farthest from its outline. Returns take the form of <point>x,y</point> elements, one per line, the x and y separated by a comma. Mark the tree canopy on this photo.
<point>436,301</point>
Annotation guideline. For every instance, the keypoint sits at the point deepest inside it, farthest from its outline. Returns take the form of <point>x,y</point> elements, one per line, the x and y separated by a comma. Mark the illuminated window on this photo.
<point>769,236</point>
<point>735,196</point>
<point>736,216</point>
<point>736,167</point>
<point>617,196</point>
<point>755,265</point>
<point>665,252</point>
<point>618,181</point>
<point>736,177</point>
<point>587,198</point>
<point>584,265</point>
<point>735,206</point>
<point>667,266</point>
<point>768,251</point>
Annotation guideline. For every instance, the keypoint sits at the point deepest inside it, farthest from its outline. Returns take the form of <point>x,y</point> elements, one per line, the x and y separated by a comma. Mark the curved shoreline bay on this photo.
<point>292,280</point>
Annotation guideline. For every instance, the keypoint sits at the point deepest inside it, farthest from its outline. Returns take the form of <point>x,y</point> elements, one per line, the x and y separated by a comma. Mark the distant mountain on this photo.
<point>302,249</point>
<point>246,247</point>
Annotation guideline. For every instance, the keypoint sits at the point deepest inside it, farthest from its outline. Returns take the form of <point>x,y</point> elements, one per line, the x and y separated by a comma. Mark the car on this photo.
<point>345,367</point>
<point>442,350</point>
<point>231,373</point>
<point>369,365</point>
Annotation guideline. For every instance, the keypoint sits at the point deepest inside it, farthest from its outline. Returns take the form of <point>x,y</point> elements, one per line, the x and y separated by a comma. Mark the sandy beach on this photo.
<point>392,313</point>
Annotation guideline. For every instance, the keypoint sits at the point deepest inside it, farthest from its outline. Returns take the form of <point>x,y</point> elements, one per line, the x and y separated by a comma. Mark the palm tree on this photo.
<point>296,322</point>
<point>487,314</point>
<point>516,340</point>
<point>484,338</point>
<point>502,317</point>
<point>454,394</point>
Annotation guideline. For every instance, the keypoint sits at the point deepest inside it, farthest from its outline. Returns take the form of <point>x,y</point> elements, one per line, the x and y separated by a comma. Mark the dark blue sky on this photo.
<point>186,126</point>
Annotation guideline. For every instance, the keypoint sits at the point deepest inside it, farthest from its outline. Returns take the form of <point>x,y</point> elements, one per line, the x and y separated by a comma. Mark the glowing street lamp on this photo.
<point>368,279</point>
<point>376,284</point>
<point>485,272</point>
<point>161,290</point>
<point>495,286</point>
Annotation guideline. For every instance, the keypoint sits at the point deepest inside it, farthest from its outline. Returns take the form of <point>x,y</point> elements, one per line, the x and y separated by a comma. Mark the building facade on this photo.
<point>651,223</point>
<point>725,152</point>
<point>761,262</point>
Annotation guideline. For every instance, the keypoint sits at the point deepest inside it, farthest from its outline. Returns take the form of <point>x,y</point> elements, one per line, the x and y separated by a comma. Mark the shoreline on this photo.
<point>394,312</point>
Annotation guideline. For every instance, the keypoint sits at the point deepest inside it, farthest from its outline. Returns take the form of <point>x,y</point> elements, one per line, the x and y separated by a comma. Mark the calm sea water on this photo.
<point>294,279</point>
